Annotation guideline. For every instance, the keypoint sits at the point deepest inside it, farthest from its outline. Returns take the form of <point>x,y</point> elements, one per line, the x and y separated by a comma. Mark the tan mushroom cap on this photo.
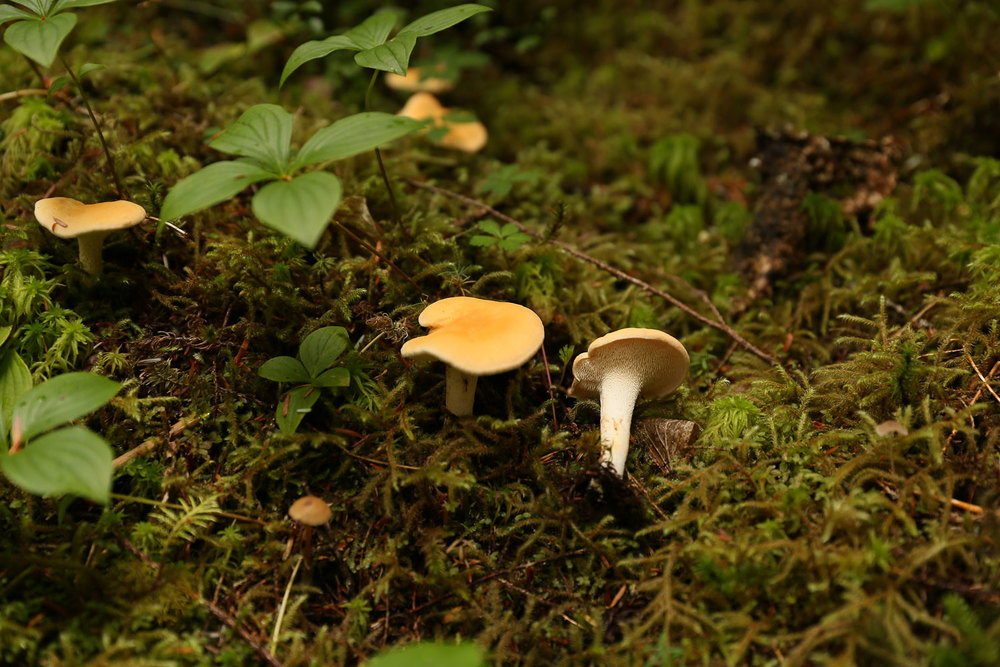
<point>469,136</point>
<point>657,359</point>
<point>68,218</point>
<point>416,81</point>
<point>310,510</point>
<point>477,336</point>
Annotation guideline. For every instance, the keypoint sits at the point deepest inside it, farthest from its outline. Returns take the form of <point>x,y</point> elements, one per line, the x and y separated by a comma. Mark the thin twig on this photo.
<point>15,94</point>
<point>122,192</point>
<point>367,246</point>
<point>604,266</point>
<point>986,382</point>
<point>284,604</point>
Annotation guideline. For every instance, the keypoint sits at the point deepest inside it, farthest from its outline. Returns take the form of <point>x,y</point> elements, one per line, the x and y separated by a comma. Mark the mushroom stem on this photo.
<point>460,391</point>
<point>90,252</point>
<point>618,396</point>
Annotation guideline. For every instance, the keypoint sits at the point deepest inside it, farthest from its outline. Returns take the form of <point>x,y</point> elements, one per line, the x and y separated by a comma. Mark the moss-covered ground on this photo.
<point>790,532</point>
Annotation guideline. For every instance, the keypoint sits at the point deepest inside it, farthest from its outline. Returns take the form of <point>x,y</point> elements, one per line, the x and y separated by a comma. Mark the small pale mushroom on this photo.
<point>89,224</point>
<point>469,136</point>
<point>474,337</point>
<point>620,368</point>
<point>417,81</point>
<point>311,512</point>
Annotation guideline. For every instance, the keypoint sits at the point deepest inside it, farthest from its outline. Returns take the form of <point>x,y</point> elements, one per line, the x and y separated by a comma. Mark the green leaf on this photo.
<point>481,241</point>
<point>73,4</point>
<point>352,135</point>
<point>322,347</point>
<point>393,56</point>
<point>508,229</point>
<point>5,333</point>
<point>283,369</point>
<point>263,133</point>
<point>294,406</point>
<point>373,31</point>
<point>39,7</point>
<point>215,183</point>
<point>334,377</point>
<point>313,50</point>
<point>15,381</point>
<point>87,68</point>
<point>299,208</point>
<point>40,40</point>
<point>512,243</point>
<point>70,460</point>
<point>430,654</point>
<point>61,399</point>
<point>490,227</point>
<point>8,13</point>
<point>58,83</point>
<point>438,21</point>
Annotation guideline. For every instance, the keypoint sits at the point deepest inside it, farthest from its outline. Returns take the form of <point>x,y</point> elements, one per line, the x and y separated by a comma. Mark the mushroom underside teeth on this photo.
<point>460,392</point>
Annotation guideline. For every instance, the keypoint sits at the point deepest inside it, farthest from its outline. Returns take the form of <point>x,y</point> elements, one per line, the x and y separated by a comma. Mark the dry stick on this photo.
<point>228,620</point>
<point>97,126</point>
<point>980,374</point>
<point>15,94</point>
<point>604,266</point>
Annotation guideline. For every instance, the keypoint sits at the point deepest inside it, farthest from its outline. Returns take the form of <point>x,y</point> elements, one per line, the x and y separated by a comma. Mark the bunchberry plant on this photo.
<point>40,28</point>
<point>41,458</point>
<point>297,203</point>
<point>373,47</point>
<point>312,372</point>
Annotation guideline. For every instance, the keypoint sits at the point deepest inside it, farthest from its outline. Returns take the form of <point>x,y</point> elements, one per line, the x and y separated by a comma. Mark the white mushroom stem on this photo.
<point>619,392</point>
<point>91,246</point>
<point>459,392</point>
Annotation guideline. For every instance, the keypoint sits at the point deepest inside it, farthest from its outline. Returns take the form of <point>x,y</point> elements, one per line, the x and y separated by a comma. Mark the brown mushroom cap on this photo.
<point>477,336</point>
<point>68,218</point>
<point>310,510</point>
<point>656,360</point>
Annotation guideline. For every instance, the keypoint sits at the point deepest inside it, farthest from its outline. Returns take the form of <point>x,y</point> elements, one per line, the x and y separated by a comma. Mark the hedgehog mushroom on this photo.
<point>87,223</point>
<point>474,337</point>
<point>620,368</point>
<point>417,80</point>
<point>468,136</point>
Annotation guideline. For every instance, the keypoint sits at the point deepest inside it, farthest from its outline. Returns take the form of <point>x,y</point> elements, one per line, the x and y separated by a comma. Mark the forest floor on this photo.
<point>808,199</point>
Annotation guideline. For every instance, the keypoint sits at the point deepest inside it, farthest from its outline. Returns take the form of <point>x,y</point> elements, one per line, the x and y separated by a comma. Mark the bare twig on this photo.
<point>604,266</point>
<point>986,383</point>
<point>15,94</point>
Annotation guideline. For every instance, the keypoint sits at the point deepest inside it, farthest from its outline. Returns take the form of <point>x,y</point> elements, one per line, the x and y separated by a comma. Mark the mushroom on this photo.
<point>620,368</point>
<point>87,223</point>
<point>311,512</point>
<point>468,136</point>
<point>416,81</point>
<point>474,337</point>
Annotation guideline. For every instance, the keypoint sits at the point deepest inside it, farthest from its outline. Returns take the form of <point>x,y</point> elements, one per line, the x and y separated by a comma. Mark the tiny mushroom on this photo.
<point>417,81</point>
<point>621,367</point>
<point>468,136</point>
<point>474,337</point>
<point>311,512</point>
<point>87,223</point>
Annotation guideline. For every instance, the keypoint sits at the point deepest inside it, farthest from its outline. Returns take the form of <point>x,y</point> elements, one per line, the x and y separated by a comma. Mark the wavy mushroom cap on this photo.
<point>469,136</point>
<point>477,336</point>
<point>655,360</point>
<point>68,218</point>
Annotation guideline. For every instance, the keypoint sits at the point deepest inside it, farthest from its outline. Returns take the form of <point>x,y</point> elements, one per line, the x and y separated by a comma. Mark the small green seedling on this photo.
<point>508,238</point>
<point>311,371</point>
<point>501,182</point>
<point>39,31</point>
<point>296,204</point>
<point>45,461</point>
<point>370,39</point>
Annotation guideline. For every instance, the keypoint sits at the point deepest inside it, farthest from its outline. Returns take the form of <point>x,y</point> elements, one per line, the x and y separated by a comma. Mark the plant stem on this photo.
<point>281,610</point>
<point>378,158</point>
<point>15,94</point>
<point>97,126</point>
